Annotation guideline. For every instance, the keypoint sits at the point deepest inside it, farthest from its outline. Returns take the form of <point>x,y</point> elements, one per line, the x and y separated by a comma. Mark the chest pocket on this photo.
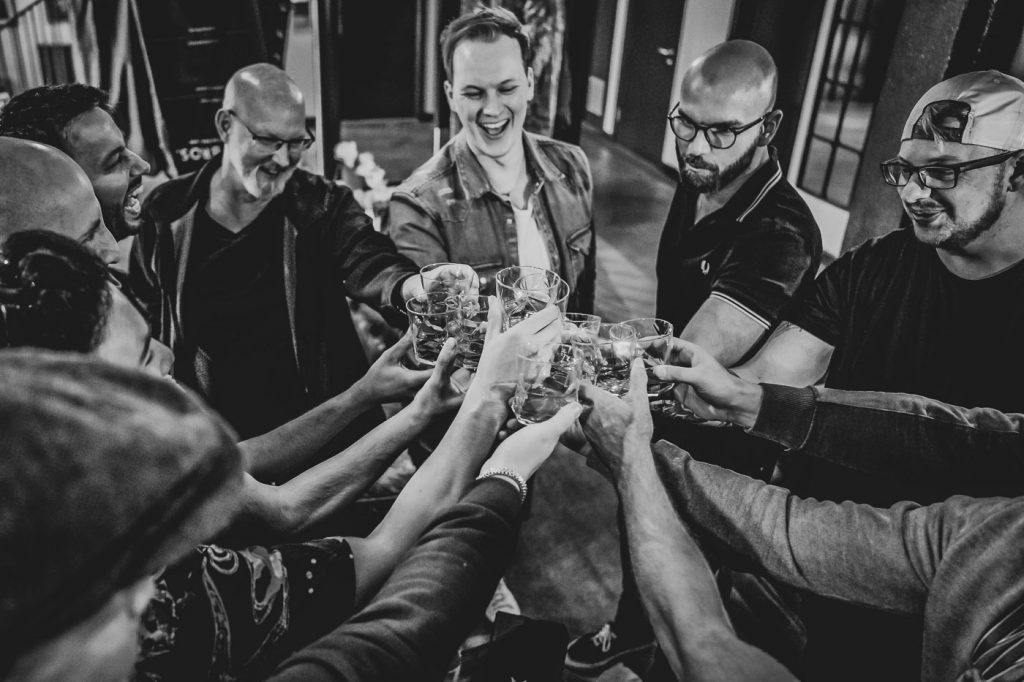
<point>473,234</point>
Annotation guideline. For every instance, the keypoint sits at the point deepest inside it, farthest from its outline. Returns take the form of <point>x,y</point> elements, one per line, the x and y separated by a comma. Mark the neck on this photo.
<point>508,174</point>
<point>709,202</point>
<point>230,204</point>
<point>994,251</point>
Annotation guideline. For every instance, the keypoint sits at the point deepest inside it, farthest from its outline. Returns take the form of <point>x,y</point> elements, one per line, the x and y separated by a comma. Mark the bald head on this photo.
<point>260,88</point>
<point>735,69</point>
<point>43,189</point>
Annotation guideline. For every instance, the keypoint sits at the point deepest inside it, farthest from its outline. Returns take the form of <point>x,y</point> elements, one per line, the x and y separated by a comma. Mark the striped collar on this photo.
<point>754,190</point>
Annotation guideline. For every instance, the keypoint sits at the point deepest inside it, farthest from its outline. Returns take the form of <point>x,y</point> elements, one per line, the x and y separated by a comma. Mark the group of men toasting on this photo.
<point>844,502</point>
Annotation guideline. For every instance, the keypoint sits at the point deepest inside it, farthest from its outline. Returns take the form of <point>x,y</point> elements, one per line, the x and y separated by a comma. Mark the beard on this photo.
<point>714,179</point>
<point>962,234</point>
<point>262,186</point>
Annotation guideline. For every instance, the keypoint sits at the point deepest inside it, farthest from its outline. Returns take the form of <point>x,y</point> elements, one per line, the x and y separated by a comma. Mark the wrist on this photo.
<point>364,390</point>
<point>746,405</point>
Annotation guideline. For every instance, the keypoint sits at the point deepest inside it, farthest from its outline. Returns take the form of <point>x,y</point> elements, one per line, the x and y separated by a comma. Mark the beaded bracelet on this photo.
<point>511,475</point>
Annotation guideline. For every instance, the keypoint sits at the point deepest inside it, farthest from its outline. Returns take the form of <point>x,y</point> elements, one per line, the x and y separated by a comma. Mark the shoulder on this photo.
<point>569,158</point>
<point>783,210</point>
<point>438,171</point>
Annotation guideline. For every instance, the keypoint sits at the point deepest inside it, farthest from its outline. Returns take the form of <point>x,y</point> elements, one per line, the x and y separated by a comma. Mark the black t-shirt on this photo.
<point>901,322</point>
<point>756,252</point>
<point>238,317</point>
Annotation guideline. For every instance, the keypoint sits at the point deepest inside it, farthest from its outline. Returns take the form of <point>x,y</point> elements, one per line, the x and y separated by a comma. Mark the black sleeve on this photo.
<point>142,273</point>
<point>824,311</point>
<point>764,270</point>
<point>368,261</point>
<point>412,628</point>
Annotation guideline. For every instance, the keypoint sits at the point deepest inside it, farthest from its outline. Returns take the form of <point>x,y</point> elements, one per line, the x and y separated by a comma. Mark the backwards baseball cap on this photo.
<point>982,108</point>
<point>106,476</point>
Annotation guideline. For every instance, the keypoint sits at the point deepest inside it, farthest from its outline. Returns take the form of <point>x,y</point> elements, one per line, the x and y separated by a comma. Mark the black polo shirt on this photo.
<point>756,253</point>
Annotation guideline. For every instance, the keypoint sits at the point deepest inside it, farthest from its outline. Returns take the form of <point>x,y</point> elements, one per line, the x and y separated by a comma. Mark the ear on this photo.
<point>529,84</point>
<point>222,120</point>
<point>1017,174</point>
<point>769,127</point>
<point>448,93</point>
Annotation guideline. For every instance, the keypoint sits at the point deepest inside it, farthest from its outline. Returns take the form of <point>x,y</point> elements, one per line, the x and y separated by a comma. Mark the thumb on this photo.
<point>638,380</point>
<point>563,419</point>
<point>494,321</point>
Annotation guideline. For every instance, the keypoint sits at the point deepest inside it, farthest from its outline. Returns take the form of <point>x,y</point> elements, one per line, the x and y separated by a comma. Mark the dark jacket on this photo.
<point>447,211</point>
<point>330,251</point>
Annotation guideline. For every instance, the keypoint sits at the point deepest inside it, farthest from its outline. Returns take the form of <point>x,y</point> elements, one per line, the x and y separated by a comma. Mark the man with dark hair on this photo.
<point>495,195</point>
<point>78,120</point>
<point>243,268</point>
<point>739,244</point>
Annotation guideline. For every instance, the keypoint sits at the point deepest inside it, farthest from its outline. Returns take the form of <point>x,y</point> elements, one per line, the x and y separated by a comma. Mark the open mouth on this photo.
<point>132,202</point>
<point>924,215</point>
<point>495,130</point>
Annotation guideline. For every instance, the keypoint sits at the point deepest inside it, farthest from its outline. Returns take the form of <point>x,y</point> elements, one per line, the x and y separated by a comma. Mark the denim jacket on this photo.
<point>447,211</point>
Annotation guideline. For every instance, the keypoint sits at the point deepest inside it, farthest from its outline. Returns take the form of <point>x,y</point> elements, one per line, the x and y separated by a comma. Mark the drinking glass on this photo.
<point>616,348</point>
<point>653,343</point>
<point>524,290</point>
<point>548,380</point>
<point>447,277</point>
<point>433,317</point>
<point>472,329</point>
<point>580,330</point>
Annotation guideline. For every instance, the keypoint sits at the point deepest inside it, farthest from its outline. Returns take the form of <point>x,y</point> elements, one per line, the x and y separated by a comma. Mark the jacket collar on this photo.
<point>474,178</point>
<point>755,189</point>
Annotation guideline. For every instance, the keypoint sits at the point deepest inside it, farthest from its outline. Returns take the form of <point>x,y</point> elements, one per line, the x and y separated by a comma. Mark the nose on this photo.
<point>698,146</point>
<point>139,166</point>
<point>492,105</point>
<point>282,157</point>
<point>914,190</point>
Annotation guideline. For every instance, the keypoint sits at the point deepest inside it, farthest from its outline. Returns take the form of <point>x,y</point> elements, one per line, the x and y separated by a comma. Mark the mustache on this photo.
<point>698,162</point>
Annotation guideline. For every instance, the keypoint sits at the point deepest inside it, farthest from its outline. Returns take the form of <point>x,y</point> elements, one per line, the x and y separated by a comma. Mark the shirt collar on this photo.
<point>474,178</point>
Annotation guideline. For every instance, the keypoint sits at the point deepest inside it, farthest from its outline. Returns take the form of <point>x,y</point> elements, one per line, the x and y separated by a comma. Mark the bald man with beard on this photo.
<point>244,267</point>
<point>43,189</point>
<point>738,245</point>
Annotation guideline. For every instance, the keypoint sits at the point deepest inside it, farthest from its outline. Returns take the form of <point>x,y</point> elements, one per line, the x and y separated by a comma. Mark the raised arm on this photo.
<point>675,582</point>
<point>451,468</point>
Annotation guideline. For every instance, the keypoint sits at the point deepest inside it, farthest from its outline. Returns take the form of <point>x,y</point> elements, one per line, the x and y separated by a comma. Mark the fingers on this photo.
<point>687,353</point>
<point>547,319</point>
<point>679,375</point>
<point>595,397</point>
<point>637,381</point>
<point>445,360</point>
<point>402,346</point>
<point>494,320</point>
<point>563,419</point>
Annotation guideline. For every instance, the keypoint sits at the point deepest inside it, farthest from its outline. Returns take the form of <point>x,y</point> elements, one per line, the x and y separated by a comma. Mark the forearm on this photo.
<point>677,587</point>
<point>846,551</point>
<point>412,629</point>
<point>287,446</point>
<point>439,483</point>
<point>321,491</point>
<point>976,451</point>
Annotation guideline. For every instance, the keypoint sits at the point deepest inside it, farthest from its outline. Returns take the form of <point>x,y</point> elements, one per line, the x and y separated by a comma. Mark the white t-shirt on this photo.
<point>532,249</point>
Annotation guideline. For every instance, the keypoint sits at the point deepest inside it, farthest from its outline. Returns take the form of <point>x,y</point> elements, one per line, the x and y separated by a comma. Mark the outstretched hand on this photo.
<point>617,429</point>
<point>526,449</point>
<point>498,368</point>
<point>708,389</point>
<point>388,379</point>
<point>440,394</point>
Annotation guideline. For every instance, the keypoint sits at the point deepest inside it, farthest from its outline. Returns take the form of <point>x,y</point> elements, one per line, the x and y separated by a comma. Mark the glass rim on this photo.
<point>534,357</point>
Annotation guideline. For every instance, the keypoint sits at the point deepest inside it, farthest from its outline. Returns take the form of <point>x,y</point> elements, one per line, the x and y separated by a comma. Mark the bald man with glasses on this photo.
<point>738,245</point>
<point>244,267</point>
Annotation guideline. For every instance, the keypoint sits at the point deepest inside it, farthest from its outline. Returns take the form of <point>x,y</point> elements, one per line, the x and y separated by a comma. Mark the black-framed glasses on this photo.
<point>897,173</point>
<point>719,137</point>
<point>271,145</point>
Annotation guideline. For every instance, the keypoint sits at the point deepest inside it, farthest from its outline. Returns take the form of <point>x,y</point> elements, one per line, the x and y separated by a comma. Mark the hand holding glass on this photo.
<point>616,348</point>
<point>548,380</point>
<point>432,318</point>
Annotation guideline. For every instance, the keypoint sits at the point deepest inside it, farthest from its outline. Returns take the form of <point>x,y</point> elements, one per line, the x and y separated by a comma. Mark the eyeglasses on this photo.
<point>270,145</point>
<point>898,173</point>
<point>718,137</point>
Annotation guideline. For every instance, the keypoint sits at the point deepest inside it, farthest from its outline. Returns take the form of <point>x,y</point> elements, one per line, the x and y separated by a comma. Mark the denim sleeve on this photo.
<point>882,558</point>
<point>414,230</point>
<point>977,452</point>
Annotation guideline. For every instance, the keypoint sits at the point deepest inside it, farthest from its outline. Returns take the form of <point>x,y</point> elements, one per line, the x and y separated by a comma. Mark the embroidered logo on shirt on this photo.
<point>705,267</point>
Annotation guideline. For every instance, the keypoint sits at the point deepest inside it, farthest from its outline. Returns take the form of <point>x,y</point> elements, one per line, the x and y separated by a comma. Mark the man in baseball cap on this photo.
<point>933,310</point>
<point>107,475</point>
